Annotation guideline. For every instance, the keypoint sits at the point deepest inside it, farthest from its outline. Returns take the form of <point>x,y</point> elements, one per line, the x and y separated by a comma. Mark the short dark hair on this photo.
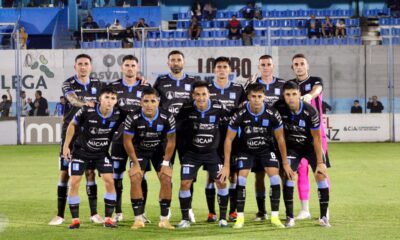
<point>150,91</point>
<point>130,57</point>
<point>356,101</point>
<point>221,59</point>
<point>4,96</point>
<point>299,55</point>
<point>175,52</point>
<point>61,97</point>
<point>199,84</point>
<point>265,57</point>
<point>39,92</point>
<point>83,55</point>
<point>108,89</point>
<point>289,85</point>
<point>255,87</point>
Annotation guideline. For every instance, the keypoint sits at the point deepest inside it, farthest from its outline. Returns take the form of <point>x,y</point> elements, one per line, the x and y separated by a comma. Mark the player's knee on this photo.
<point>221,185</point>
<point>185,185</point>
<point>136,179</point>
<point>64,177</point>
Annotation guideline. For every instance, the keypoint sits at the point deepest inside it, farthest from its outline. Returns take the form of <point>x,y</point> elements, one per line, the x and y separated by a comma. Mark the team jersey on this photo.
<point>85,92</point>
<point>231,95</point>
<point>202,128</point>
<point>173,92</point>
<point>128,100</point>
<point>306,87</point>
<point>298,125</point>
<point>273,91</point>
<point>149,133</point>
<point>60,109</point>
<point>95,131</point>
<point>257,130</point>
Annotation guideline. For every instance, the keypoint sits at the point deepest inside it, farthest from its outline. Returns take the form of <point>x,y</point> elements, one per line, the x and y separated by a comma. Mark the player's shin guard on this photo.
<point>241,194</point>
<point>62,190</point>
<point>73,202</point>
<point>210,196</point>
<point>260,199</point>
<point>323,195</point>
<point>223,196</point>
<point>144,191</point>
<point>275,192</point>
<point>288,197</point>
<point>165,204</point>
<point>137,206</point>
<point>118,189</point>
<point>91,190</point>
<point>185,200</point>
<point>109,203</point>
<point>232,198</point>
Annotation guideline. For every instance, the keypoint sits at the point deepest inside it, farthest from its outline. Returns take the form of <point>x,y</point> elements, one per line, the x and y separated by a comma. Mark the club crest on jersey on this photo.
<point>212,119</point>
<point>308,87</point>
<point>169,95</point>
<point>94,90</point>
<point>265,122</point>
<point>139,94</point>
<point>160,127</point>
<point>302,123</point>
<point>277,91</point>
<point>232,95</point>
<point>188,87</point>
<point>112,124</point>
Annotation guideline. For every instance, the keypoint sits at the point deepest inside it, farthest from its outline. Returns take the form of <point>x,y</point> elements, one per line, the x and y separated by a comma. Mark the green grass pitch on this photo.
<point>364,201</point>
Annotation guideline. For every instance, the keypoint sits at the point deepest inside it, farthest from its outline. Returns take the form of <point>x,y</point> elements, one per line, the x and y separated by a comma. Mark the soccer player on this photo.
<point>230,94</point>
<point>260,124</point>
<point>94,127</point>
<point>80,90</point>
<point>175,90</point>
<point>129,90</point>
<point>273,92</point>
<point>311,92</point>
<point>145,132</point>
<point>303,140</point>
<point>203,119</point>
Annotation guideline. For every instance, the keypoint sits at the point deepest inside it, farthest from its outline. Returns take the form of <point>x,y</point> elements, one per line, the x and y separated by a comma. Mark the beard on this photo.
<point>176,69</point>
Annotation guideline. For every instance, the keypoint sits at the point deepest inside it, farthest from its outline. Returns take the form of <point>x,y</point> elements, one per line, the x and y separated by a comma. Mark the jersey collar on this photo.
<point>100,114</point>
<point>150,121</point>
<point>300,110</point>
<point>81,83</point>
<point>223,88</point>
<point>129,86</point>
<point>173,78</point>
<point>255,115</point>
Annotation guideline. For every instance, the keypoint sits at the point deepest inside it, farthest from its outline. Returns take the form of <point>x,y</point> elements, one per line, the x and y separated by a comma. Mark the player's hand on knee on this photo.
<point>67,154</point>
<point>223,174</point>
<point>166,170</point>
<point>321,169</point>
<point>135,170</point>
<point>289,172</point>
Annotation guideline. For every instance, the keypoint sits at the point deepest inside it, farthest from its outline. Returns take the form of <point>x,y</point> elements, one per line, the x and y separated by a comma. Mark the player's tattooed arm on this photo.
<point>76,102</point>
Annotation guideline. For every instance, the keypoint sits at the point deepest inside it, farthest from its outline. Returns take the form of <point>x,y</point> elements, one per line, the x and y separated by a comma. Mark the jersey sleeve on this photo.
<point>80,116</point>
<point>317,81</point>
<point>234,122</point>
<point>242,95</point>
<point>171,128</point>
<point>67,88</point>
<point>314,120</point>
<point>129,125</point>
<point>276,120</point>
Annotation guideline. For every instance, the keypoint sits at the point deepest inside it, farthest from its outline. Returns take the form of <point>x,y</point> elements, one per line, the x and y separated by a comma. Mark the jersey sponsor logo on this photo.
<point>277,91</point>
<point>249,130</point>
<point>307,87</point>
<point>256,142</point>
<point>212,119</point>
<point>94,143</point>
<point>302,123</point>
<point>150,144</point>
<point>160,127</point>
<point>201,139</point>
<point>203,126</point>
<point>174,108</point>
<point>188,87</point>
<point>167,85</point>
<point>232,95</point>
<point>265,122</point>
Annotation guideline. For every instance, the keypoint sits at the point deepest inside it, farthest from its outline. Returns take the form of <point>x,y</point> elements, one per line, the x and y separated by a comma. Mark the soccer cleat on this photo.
<point>324,222</point>
<point>118,217</point>
<point>138,224</point>
<point>261,217</point>
<point>211,217</point>
<point>223,223</point>
<point>145,218</point>
<point>275,221</point>
<point>165,224</point>
<point>191,216</point>
<point>232,217</point>
<point>108,223</point>
<point>96,219</point>
<point>184,224</point>
<point>303,215</point>
<point>75,224</point>
<point>289,222</point>
<point>239,222</point>
<point>56,221</point>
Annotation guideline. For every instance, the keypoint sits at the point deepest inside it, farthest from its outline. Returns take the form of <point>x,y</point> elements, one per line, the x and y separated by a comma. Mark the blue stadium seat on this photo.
<point>204,34</point>
<point>326,41</point>
<point>177,43</point>
<point>177,34</point>
<point>274,42</point>
<point>205,24</point>
<point>167,34</point>
<point>340,41</point>
<point>256,41</point>
<point>179,25</point>
<point>259,33</point>
<point>385,31</point>
<point>301,13</point>
<point>185,34</point>
<point>218,24</point>
<point>166,43</point>
<point>153,34</point>
<point>85,45</point>
<point>182,16</point>
<point>258,23</point>
<point>220,14</point>
<point>313,41</point>
<point>229,14</point>
<point>287,33</point>
<point>300,42</point>
<point>354,41</point>
<point>213,33</point>
<point>285,42</point>
<point>99,44</point>
<point>276,33</point>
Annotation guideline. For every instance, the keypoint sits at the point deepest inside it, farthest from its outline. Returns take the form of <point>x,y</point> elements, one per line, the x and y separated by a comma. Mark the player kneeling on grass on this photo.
<point>303,140</point>
<point>260,124</point>
<point>96,126</point>
<point>146,130</point>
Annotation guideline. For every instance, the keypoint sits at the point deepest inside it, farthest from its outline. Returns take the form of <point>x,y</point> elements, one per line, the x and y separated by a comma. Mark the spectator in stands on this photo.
<point>258,13</point>
<point>60,107</point>
<point>8,3</point>
<point>128,39</point>
<point>248,35</point>
<point>356,108</point>
<point>141,24</point>
<point>374,105</point>
<point>327,28</point>
<point>5,105</point>
<point>340,28</point>
<point>209,11</point>
<point>248,11</point>
<point>313,27</point>
<point>24,104</point>
<point>194,29</point>
<point>23,38</point>
<point>89,24</point>
<point>394,6</point>
<point>39,107</point>
<point>32,3</point>
<point>197,10</point>
<point>326,107</point>
<point>234,27</point>
<point>116,30</point>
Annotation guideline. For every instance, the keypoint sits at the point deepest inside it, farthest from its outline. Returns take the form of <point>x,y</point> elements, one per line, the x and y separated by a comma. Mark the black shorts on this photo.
<point>78,166</point>
<point>145,158</point>
<point>295,155</point>
<point>119,157</point>
<point>263,160</point>
<point>193,161</point>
